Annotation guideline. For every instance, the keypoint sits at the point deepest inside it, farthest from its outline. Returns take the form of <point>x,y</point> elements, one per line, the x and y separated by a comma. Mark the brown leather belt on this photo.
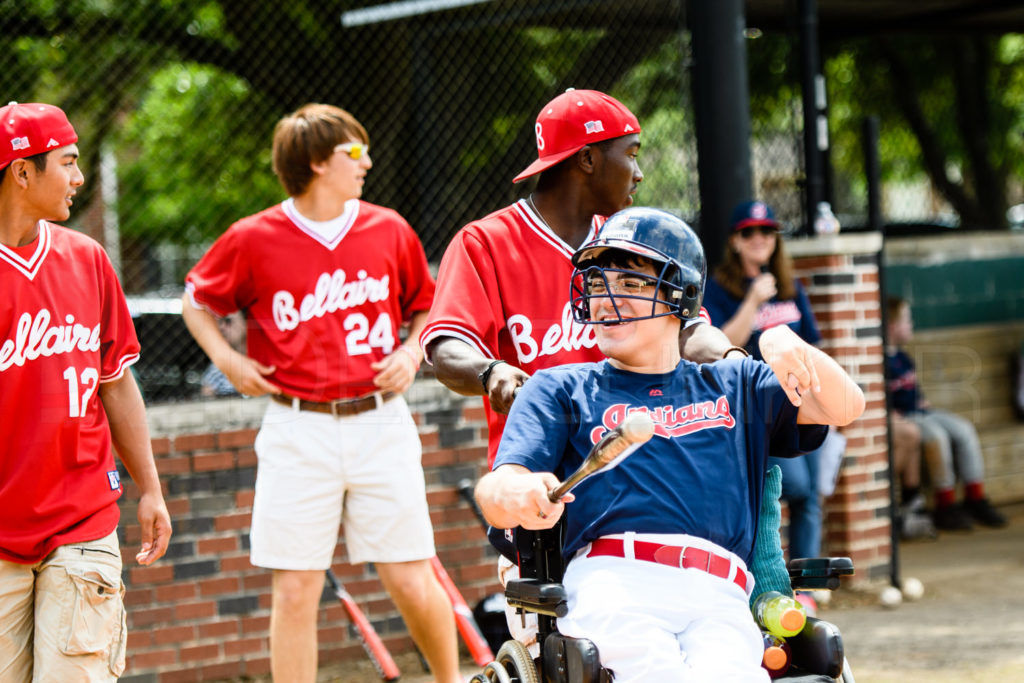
<point>342,407</point>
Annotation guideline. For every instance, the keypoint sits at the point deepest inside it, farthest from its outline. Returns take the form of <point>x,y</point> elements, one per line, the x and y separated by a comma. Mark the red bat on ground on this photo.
<point>372,643</point>
<point>468,628</point>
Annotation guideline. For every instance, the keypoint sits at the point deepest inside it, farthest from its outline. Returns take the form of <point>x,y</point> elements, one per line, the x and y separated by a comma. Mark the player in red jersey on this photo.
<point>502,307</point>
<point>66,397</point>
<point>325,280</point>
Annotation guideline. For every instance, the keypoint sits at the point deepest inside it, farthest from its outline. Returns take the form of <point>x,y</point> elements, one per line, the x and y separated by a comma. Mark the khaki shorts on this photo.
<point>71,626</point>
<point>317,471</point>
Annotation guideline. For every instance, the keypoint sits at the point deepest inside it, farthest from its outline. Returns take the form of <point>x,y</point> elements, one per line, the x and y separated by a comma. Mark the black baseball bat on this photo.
<point>616,445</point>
<point>465,488</point>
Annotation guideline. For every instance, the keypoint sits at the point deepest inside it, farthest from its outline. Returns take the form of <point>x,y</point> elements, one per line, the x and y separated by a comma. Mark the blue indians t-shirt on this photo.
<point>796,313</point>
<point>702,473</point>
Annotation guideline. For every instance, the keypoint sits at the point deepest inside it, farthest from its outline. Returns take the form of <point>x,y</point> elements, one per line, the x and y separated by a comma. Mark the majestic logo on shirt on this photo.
<point>670,421</point>
<point>777,313</point>
<point>34,337</point>
<point>566,336</point>
<point>332,293</point>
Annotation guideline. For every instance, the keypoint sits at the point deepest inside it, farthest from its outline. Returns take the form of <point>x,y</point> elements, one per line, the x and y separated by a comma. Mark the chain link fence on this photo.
<point>175,103</point>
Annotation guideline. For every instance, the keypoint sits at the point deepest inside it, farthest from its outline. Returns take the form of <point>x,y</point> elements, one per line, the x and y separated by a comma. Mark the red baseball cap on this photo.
<point>574,119</point>
<point>30,129</point>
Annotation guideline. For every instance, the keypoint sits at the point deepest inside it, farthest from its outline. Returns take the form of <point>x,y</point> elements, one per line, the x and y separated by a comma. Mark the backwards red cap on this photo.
<point>574,119</point>
<point>30,129</point>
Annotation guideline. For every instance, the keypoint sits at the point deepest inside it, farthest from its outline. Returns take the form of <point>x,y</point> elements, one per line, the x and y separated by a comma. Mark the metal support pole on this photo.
<point>815,117</point>
<point>722,113</point>
<point>871,169</point>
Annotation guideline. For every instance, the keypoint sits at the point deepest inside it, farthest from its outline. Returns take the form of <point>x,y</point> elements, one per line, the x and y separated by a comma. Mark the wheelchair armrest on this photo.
<point>538,596</point>
<point>818,572</point>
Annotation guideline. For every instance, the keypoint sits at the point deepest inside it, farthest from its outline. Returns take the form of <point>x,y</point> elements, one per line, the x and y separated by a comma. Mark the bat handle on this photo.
<point>555,494</point>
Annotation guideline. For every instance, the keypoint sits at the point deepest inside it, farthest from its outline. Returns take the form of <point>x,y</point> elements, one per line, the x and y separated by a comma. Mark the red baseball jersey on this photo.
<point>319,308</point>
<point>503,288</point>
<point>66,329</point>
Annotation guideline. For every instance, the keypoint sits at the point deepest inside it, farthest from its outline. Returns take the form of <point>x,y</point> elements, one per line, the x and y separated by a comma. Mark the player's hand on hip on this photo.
<point>396,372</point>
<point>503,385</point>
<point>792,361</point>
<point>155,525</point>
<point>249,376</point>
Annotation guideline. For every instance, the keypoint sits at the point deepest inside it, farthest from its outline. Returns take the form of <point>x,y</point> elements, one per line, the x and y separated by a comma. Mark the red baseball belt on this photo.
<point>684,557</point>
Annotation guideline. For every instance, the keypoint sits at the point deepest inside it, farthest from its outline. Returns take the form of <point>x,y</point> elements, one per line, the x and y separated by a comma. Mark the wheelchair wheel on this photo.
<point>512,664</point>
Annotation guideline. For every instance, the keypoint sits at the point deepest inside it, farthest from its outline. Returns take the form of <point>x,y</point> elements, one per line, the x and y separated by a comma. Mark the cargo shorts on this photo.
<point>63,619</point>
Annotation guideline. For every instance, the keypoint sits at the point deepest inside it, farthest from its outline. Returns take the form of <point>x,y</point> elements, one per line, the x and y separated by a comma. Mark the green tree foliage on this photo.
<point>950,108</point>
<point>197,152</point>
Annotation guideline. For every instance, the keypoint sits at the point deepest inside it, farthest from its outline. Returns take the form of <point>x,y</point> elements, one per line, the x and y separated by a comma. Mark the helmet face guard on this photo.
<point>657,236</point>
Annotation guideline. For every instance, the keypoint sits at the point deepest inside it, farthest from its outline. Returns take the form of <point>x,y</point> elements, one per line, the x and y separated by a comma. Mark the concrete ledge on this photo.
<point>841,243</point>
<point>227,414</point>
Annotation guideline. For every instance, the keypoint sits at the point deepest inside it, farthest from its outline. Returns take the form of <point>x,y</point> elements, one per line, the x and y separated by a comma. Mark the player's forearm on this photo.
<point>203,328</point>
<point>840,400</point>
<point>416,324</point>
<point>703,343</point>
<point>126,414</point>
<point>457,365</point>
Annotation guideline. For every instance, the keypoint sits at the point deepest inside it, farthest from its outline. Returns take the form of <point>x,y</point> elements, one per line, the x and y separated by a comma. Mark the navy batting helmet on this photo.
<point>658,236</point>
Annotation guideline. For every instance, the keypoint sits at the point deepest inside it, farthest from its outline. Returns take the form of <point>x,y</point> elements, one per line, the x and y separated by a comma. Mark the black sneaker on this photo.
<point>983,513</point>
<point>952,518</point>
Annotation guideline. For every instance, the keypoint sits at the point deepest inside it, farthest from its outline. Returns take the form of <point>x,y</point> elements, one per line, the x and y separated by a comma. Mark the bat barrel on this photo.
<point>634,431</point>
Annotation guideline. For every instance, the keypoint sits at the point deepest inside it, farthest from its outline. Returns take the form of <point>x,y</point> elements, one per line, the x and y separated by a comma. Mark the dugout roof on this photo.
<point>837,18</point>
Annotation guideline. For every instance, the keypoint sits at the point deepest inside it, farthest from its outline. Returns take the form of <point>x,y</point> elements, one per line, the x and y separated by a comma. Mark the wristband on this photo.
<point>412,354</point>
<point>736,348</point>
<point>485,376</point>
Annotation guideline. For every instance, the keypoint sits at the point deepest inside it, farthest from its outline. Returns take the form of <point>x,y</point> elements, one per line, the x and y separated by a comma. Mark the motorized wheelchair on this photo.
<point>818,654</point>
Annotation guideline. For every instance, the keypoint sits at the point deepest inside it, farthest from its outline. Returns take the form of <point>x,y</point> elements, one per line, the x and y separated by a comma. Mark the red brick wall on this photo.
<point>841,276</point>
<point>203,612</point>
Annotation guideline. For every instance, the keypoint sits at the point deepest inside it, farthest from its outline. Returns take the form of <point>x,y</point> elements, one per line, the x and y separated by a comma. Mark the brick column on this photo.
<point>842,279</point>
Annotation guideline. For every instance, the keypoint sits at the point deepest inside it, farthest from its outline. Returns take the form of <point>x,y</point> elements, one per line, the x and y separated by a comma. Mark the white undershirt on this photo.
<point>327,231</point>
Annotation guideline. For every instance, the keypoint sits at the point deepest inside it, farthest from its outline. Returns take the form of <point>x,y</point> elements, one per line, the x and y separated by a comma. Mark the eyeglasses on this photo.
<point>354,150</point>
<point>627,286</point>
<point>765,230</point>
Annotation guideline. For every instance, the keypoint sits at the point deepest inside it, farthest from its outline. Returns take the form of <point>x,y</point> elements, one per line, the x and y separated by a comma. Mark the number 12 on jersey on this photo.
<point>79,400</point>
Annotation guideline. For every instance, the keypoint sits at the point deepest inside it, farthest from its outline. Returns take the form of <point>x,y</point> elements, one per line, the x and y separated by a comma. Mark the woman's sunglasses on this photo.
<point>765,230</point>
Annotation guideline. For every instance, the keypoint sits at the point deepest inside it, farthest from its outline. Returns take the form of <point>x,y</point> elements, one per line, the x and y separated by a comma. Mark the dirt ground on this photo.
<point>967,627</point>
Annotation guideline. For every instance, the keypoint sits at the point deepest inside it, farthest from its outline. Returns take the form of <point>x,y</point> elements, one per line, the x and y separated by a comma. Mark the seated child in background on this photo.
<point>659,546</point>
<point>950,441</point>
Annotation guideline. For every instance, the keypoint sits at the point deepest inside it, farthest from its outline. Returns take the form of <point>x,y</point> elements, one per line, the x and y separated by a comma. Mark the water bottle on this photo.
<point>825,222</point>
<point>777,655</point>
<point>779,614</point>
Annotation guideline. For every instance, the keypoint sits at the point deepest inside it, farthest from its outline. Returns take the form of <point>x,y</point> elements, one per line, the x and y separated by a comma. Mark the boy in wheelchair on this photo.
<point>658,548</point>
